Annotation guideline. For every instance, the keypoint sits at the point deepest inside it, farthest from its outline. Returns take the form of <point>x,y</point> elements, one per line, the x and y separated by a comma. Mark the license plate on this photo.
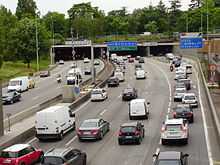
<point>86,133</point>
<point>128,137</point>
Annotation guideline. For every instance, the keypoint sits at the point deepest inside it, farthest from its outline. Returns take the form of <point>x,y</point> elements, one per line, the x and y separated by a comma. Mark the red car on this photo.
<point>131,60</point>
<point>20,154</point>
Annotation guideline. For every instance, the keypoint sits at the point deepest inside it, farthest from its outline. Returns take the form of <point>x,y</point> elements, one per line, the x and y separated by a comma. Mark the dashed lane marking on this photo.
<point>72,140</point>
<point>102,113</point>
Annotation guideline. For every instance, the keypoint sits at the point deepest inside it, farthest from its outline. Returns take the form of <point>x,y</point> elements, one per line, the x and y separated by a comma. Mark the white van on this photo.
<point>120,76</point>
<point>98,94</point>
<point>73,75</point>
<point>140,74</point>
<point>54,122</point>
<point>138,109</point>
<point>19,84</point>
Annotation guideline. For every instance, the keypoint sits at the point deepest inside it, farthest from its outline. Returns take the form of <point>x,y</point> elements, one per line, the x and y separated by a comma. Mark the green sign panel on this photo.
<point>122,46</point>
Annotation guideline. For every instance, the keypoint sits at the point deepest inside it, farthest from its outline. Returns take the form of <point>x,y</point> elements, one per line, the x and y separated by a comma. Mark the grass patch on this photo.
<point>14,69</point>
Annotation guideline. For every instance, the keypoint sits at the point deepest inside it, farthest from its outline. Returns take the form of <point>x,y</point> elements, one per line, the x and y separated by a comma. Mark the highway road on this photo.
<point>157,89</point>
<point>46,88</point>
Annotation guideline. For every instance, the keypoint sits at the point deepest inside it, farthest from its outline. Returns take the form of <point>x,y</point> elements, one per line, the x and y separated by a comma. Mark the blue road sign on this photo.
<point>191,42</point>
<point>122,46</point>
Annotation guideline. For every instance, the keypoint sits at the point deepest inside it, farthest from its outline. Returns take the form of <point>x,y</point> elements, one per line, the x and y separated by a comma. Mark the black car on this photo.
<point>11,97</point>
<point>87,71</point>
<point>141,60</point>
<point>129,94</point>
<point>113,82</point>
<point>170,157</point>
<point>183,111</point>
<point>131,132</point>
<point>45,73</point>
<point>62,156</point>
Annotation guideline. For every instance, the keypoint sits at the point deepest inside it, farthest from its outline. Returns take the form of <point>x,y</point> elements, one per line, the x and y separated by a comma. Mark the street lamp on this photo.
<point>53,51</point>
<point>37,46</point>
<point>73,51</point>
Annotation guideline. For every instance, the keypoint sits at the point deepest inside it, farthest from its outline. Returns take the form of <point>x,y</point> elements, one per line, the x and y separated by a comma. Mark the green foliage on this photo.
<point>26,8</point>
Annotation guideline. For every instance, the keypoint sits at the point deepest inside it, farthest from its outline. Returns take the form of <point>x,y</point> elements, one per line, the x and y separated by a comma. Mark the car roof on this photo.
<point>169,155</point>
<point>16,148</point>
<point>183,105</point>
<point>189,94</point>
<point>58,152</point>
<point>137,101</point>
<point>131,124</point>
<point>128,89</point>
<point>19,78</point>
<point>91,120</point>
<point>173,121</point>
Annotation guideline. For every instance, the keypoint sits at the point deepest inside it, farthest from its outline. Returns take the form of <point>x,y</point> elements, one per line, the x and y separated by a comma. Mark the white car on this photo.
<point>174,130</point>
<point>138,109</point>
<point>98,94</point>
<point>170,56</point>
<point>86,60</point>
<point>140,74</point>
<point>191,99</point>
<point>179,93</point>
<point>120,76</point>
<point>61,62</point>
<point>180,75</point>
<point>96,62</point>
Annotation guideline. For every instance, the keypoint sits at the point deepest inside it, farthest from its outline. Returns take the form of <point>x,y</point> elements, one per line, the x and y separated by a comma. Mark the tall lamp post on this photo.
<point>37,46</point>
<point>207,26</point>
<point>53,51</point>
<point>73,49</point>
<point>1,112</point>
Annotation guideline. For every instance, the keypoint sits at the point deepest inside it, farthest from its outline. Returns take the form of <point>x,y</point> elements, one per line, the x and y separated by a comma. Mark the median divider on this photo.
<point>29,131</point>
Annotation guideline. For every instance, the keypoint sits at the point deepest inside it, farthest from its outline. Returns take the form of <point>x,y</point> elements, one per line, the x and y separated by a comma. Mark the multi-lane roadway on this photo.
<point>158,90</point>
<point>45,88</point>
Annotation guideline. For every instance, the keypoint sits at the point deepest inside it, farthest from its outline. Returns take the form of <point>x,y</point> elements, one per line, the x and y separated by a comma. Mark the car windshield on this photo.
<point>169,162</point>
<point>10,94</point>
<point>182,109</point>
<point>128,90</point>
<point>52,160</point>
<point>96,92</point>
<point>189,97</point>
<point>180,90</point>
<point>173,127</point>
<point>89,124</point>
<point>128,129</point>
<point>14,83</point>
<point>6,154</point>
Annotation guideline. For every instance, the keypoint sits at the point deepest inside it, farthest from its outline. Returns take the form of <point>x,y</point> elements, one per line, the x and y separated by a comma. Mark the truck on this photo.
<point>54,122</point>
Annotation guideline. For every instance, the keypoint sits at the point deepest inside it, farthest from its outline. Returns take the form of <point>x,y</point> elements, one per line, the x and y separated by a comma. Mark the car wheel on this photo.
<point>84,161</point>
<point>186,141</point>
<point>40,157</point>
<point>163,142</point>
<point>130,117</point>
<point>139,141</point>
<point>101,135</point>
<point>61,136</point>
<point>120,142</point>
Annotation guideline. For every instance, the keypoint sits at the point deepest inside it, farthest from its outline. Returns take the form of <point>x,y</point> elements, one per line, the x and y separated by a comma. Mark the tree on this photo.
<point>151,27</point>
<point>26,8</point>
<point>174,14</point>
<point>56,23</point>
<point>24,35</point>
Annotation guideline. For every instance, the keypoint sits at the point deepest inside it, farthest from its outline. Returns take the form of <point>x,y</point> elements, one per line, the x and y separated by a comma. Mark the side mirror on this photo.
<point>154,155</point>
<point>72,114</point>
<point>185,155</point>
<point>148,103</point>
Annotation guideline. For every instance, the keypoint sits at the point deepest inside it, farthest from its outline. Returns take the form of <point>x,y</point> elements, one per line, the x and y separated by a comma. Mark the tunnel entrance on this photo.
<point>64,52</point>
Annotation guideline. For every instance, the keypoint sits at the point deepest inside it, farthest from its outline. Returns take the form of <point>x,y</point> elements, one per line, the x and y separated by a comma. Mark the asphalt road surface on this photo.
<point>157,89</point>
<point>45,89</point>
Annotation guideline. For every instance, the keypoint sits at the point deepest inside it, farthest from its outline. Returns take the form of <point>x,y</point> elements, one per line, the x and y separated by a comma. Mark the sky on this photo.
<point>107,5</point>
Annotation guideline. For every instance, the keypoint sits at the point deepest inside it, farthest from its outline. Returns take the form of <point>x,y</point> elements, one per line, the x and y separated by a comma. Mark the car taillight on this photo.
<point>137,133</point>
<point>184,128</point>
<point>95,131</point>
<point>174,114</point>
<point>120,133</point>
<point>79,132</point>
<point>190,113</point>
<point>163,129</point>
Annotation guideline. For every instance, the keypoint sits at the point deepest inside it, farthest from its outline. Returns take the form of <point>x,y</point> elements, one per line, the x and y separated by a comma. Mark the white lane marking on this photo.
<point>204,121</point>
<point>72,140</point>
<point>82,106</point>
<point>102,113</point>
<point>32,140</point>
<point>35,98</point>
<point>119,96</point>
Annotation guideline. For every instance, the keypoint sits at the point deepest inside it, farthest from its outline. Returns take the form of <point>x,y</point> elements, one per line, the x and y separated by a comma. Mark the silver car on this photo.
<point>93,129</point>
<point>174,130</point>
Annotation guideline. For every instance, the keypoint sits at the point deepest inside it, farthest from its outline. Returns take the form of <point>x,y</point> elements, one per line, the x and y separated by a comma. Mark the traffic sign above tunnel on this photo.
<point>115,46</point>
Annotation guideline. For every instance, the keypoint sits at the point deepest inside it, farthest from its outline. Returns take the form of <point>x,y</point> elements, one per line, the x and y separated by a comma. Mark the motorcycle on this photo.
<point>59,79</point>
